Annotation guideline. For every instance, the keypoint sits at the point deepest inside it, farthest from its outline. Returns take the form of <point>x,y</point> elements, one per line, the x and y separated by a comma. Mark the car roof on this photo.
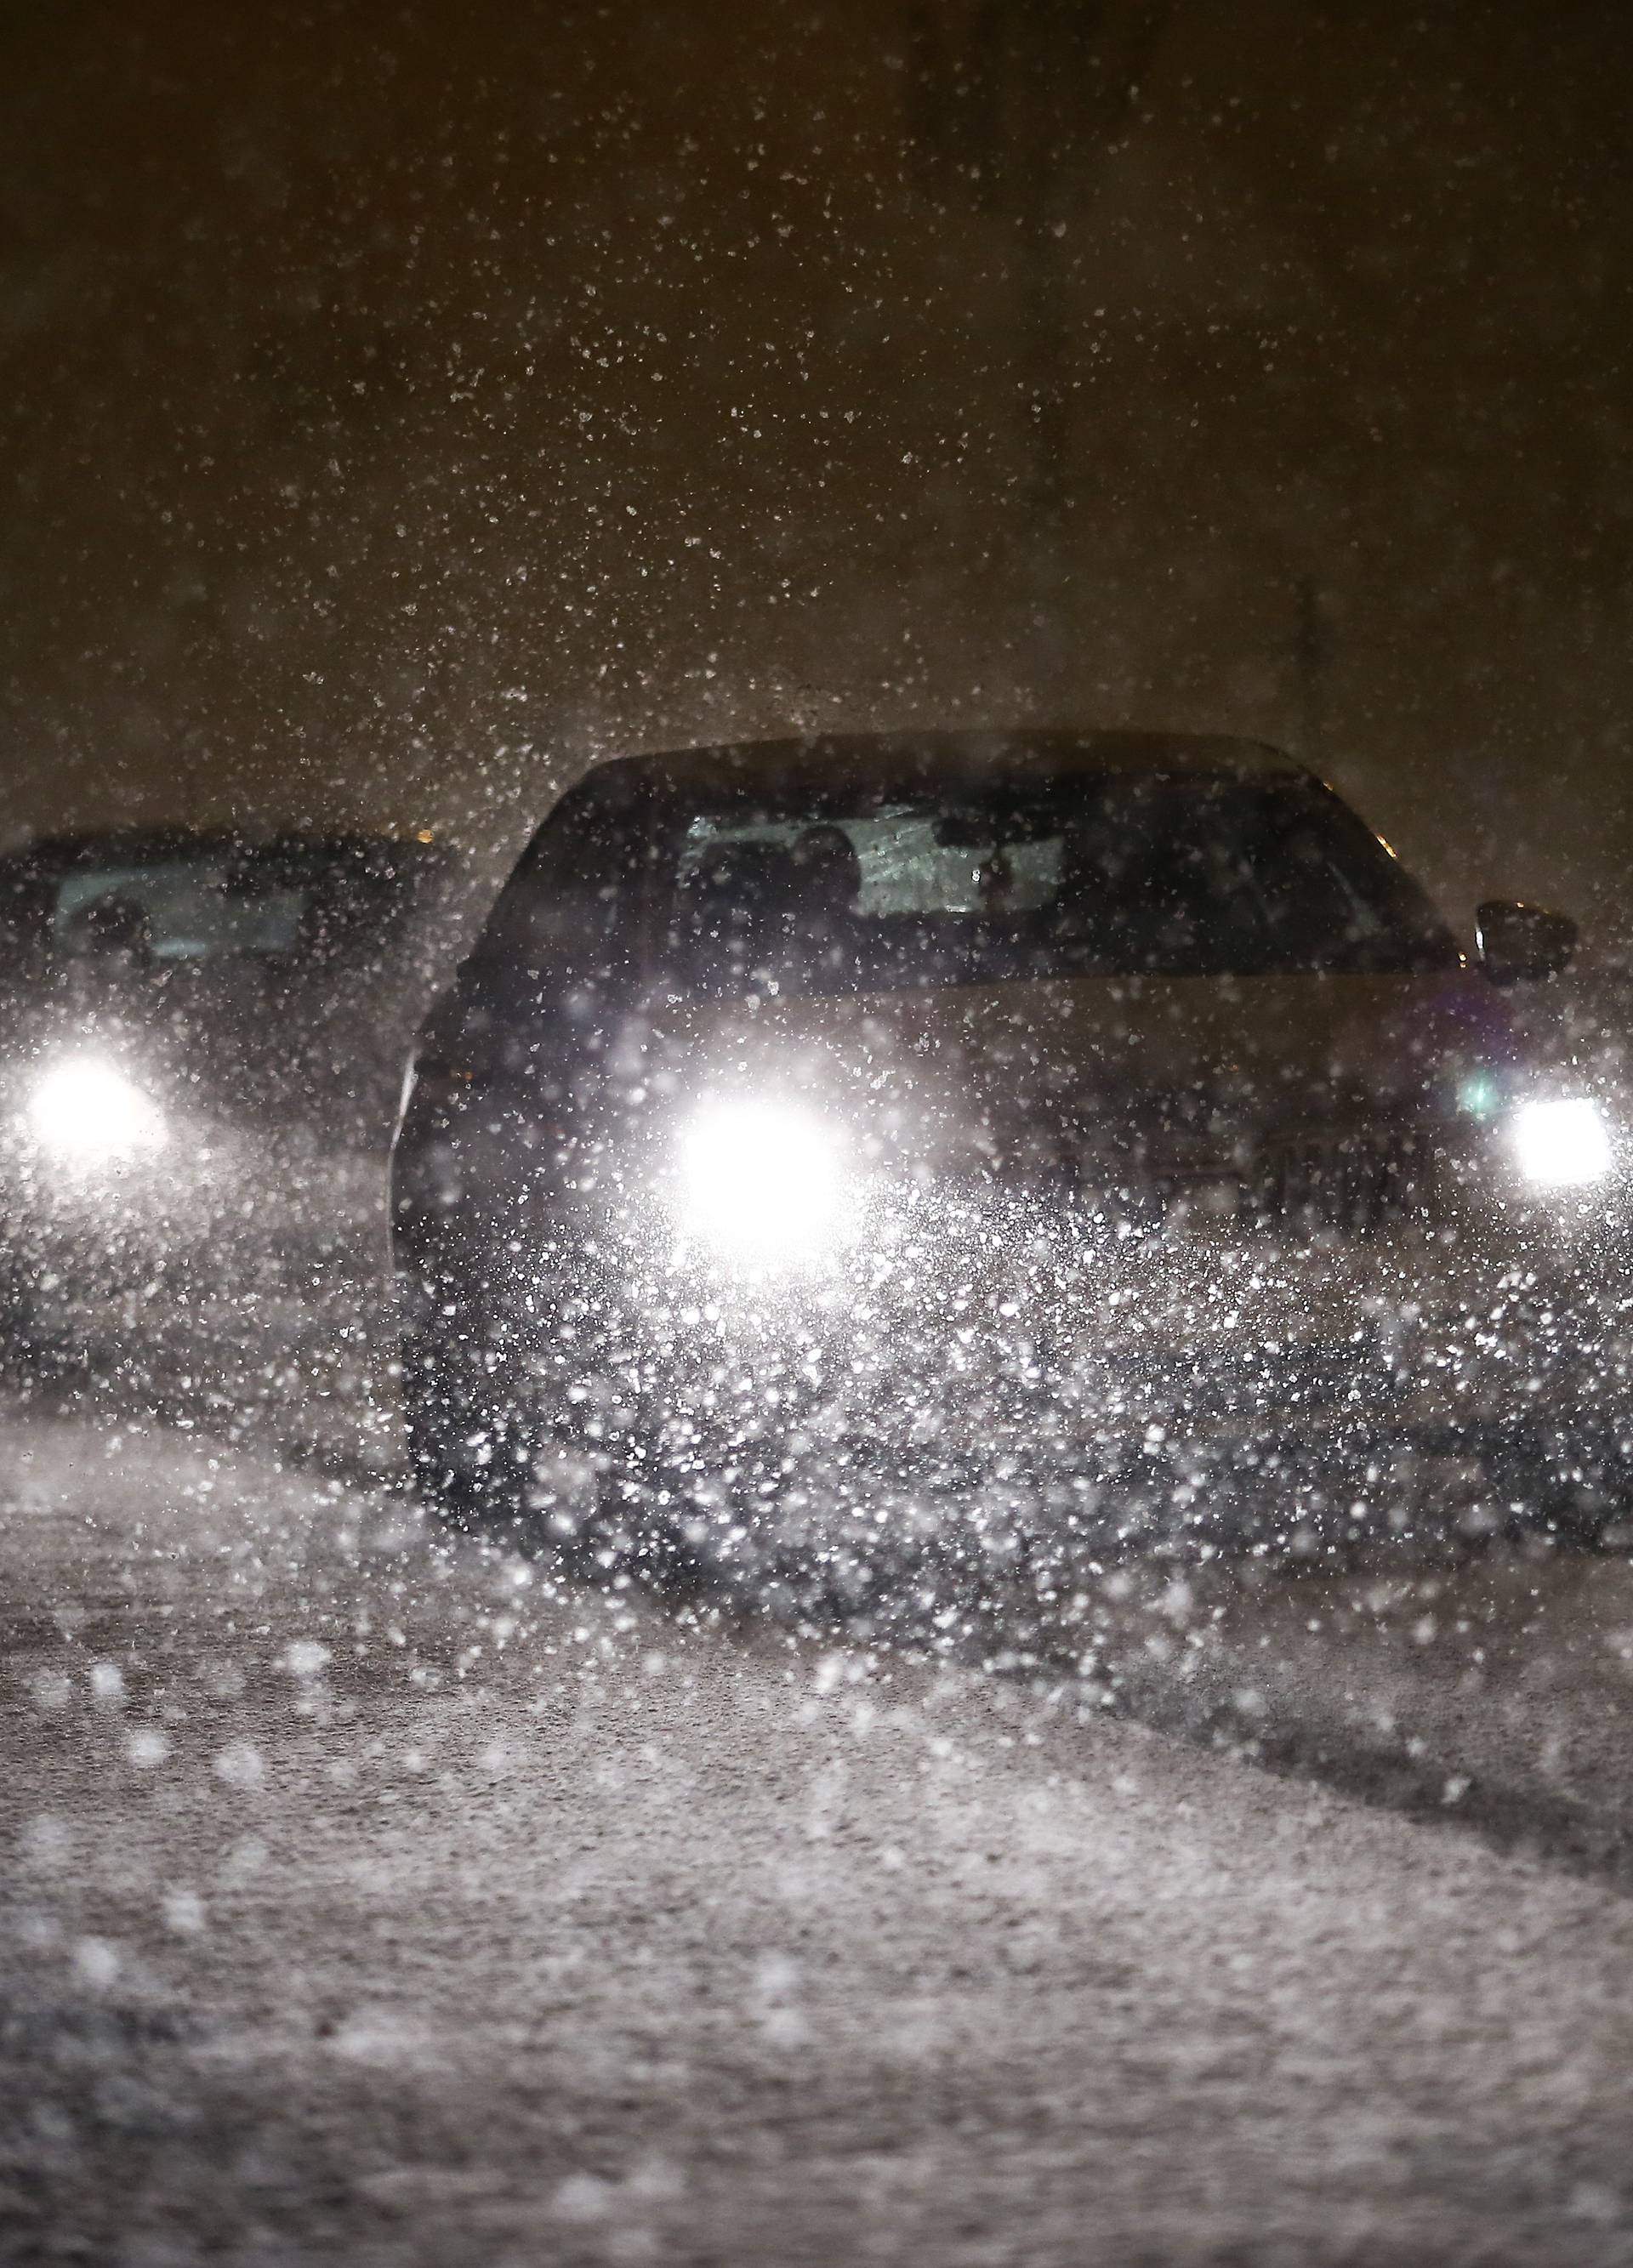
<point>830,763</point>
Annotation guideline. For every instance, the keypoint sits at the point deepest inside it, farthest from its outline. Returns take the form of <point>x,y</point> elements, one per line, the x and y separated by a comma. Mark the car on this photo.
<point>836,1146</point>
<point>188,1049</point>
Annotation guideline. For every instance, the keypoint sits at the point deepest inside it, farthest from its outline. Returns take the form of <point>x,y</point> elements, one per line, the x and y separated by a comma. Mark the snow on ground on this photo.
<point>370,1901</point>
<point>1498,1692</point>
<point>1495,1684</point>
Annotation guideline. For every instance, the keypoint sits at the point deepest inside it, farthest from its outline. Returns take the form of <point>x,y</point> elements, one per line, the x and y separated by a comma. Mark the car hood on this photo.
<point>1185,1066</point>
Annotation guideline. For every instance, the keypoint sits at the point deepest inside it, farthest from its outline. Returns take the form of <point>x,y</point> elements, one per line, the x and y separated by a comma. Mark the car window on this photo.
<point>572,912</point>
<point>201,911</point>
<point>174,910</point>
<point>1122,877</point>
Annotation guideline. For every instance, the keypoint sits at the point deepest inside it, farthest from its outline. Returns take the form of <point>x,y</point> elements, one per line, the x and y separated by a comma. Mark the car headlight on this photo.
<point>1562,1144</point>
<point>764,1183</point>
<point>85,1111</point>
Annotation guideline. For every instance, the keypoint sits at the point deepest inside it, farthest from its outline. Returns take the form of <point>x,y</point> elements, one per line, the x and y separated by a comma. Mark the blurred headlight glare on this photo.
<point>762,1184</point>
<point>85,1112</point>
<point>1562,1144</point>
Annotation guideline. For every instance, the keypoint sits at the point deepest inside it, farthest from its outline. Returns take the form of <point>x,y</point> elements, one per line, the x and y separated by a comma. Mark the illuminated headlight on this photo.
<point>764,1183</point>
<point>1562,1144</point>
<point>85,1112</point>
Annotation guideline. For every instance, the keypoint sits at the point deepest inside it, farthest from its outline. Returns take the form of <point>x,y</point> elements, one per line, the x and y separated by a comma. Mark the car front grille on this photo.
<point>1354,1185</point>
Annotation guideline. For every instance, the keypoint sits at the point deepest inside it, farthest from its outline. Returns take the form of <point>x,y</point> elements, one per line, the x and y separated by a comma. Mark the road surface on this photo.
<point>374,1902</point>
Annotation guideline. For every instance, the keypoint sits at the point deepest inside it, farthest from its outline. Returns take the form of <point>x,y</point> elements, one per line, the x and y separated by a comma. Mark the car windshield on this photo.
<point>174,909</point>
<point>198,909</point>
<point>1091,874</point>
<point>1086,877</point>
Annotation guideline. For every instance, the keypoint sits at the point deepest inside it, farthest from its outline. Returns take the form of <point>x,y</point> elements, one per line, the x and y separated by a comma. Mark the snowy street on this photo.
<point>815,1135</point>
<point>371,1900</point>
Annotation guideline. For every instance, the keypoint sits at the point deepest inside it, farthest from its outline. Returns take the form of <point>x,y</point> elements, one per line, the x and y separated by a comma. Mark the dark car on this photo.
<point>1035,1131</point>
<point>192,1035</point>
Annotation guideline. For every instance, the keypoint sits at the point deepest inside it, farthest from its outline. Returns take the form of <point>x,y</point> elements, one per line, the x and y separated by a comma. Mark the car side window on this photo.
<point>573,913</point>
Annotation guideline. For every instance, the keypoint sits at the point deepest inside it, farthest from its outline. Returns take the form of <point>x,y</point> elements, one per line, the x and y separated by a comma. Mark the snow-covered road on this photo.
<point>368,1901</point>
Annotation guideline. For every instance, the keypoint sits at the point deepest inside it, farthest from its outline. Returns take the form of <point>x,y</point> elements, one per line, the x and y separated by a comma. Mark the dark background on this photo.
<point>406,403</point>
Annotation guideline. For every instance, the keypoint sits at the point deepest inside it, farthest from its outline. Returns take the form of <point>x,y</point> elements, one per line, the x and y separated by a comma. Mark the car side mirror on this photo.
<point>1521,945</point>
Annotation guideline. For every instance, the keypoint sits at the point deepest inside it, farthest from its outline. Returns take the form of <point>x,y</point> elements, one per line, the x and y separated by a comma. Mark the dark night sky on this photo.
<point>405,403</point>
